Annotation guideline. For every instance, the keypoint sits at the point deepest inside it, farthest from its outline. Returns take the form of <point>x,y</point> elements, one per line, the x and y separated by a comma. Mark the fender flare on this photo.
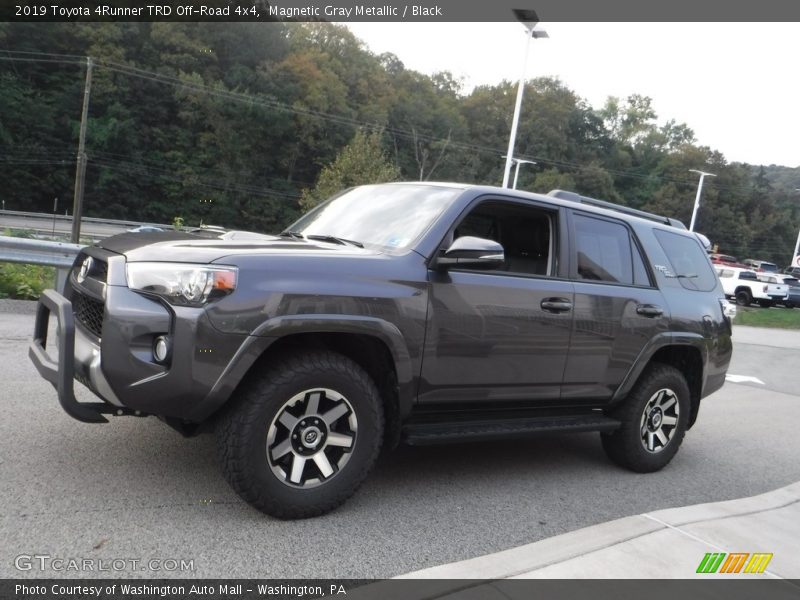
<point>662,340</point>
<point>276,328</point>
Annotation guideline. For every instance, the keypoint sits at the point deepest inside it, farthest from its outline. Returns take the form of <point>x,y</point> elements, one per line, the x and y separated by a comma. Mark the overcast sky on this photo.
<point>735,84</point>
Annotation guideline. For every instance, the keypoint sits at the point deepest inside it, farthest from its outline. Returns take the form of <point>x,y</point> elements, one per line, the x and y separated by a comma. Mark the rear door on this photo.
<point>618,309</point>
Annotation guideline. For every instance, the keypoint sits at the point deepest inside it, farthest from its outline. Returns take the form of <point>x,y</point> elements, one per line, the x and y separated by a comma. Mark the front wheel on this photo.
<point>302,436</point>
<point>654,420</point>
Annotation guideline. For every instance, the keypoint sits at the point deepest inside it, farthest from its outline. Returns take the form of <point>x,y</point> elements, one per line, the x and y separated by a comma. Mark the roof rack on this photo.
<point>573,197</point>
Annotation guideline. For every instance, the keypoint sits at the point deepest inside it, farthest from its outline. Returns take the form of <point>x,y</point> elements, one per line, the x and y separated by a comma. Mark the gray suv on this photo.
<point>412,313</point>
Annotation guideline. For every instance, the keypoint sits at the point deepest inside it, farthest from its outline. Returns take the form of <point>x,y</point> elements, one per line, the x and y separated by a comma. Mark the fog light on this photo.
<point>161,349</point>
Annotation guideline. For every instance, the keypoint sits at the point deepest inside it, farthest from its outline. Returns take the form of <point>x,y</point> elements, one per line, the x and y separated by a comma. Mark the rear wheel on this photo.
<point>302,436</point>
<point>743,298</point>
<point>654,420</point>
<point>765,303</point>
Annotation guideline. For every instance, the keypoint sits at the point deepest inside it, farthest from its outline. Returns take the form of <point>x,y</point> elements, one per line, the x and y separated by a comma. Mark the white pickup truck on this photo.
<point>745,287</point>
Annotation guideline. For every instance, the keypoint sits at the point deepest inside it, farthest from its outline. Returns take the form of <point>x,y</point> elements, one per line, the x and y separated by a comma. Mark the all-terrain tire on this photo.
<point>304,388</point>
<point>648,410</point>
<point>744,298</point>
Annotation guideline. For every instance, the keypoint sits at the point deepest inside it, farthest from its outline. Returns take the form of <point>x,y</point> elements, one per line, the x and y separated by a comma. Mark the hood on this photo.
<point>192,248</point>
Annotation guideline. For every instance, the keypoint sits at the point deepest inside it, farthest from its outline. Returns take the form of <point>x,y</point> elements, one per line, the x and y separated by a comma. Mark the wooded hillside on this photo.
<point>230,123</point>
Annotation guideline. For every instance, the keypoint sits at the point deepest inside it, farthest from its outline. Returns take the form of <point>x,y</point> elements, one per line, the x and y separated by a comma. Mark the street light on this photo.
<point>529,19</point>
<point>703,175</point>
<point>796,245</point>
<point>517,162</point>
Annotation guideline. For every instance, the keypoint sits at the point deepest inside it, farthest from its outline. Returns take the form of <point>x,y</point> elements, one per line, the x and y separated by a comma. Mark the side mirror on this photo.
<point>473,253</point>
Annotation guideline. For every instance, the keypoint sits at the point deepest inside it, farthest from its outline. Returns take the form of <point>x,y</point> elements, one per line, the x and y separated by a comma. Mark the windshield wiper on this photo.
<point>333,238</point>
<point>294,234</point>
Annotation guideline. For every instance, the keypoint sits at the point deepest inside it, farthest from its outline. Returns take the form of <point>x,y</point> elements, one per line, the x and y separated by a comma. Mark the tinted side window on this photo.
<point>688,260</point>
<point>604,250</point>
<point>525,232</point>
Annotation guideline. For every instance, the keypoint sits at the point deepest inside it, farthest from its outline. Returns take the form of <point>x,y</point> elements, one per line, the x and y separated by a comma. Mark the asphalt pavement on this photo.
<point>751,538</point>
<point>134,489</point>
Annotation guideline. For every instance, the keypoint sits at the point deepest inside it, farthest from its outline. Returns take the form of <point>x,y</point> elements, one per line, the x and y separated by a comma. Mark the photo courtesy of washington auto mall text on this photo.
<point>178,590</point>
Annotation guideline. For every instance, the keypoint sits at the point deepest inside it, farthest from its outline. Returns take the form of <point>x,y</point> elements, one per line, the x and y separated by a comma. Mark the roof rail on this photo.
<point>573,197</point>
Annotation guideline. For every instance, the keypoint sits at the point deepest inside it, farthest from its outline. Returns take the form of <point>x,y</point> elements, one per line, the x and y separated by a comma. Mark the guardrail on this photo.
<point>68,218</point>
<point>40,252</point>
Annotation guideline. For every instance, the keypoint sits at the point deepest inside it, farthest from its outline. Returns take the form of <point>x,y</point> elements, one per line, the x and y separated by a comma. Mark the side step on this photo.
<point>426,434</point>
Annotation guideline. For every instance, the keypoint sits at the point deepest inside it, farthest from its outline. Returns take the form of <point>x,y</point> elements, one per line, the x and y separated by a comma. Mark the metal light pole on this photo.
<point>703,175</point>
<point>795,262</point>
<point>517,162</point>
<point>520,161</point>
<point>529,19</point>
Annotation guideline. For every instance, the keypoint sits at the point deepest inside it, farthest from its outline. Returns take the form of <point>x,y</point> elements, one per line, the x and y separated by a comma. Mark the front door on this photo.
<point>500,335</point>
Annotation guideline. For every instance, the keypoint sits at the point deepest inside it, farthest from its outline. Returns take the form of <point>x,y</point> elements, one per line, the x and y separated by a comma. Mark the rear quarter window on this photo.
<point>688,260</point>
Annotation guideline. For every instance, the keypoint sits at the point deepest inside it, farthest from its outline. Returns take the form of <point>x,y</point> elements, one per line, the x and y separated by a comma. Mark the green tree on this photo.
<point>362,161</point>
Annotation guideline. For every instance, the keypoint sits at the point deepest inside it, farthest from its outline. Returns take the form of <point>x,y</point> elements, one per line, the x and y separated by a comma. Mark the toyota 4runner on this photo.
<point>413,312</point>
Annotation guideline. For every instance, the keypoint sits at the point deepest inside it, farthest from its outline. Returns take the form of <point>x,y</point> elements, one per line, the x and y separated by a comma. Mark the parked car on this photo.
<point>726,259</point>
<point>761,265</point>
<point>792,299</point>
<point>745,287</point>
<point>793,271</point>
<point>418,313</point>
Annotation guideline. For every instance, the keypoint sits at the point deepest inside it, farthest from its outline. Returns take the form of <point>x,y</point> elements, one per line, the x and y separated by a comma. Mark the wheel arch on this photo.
<point>687,353</point>
<point>374,344</point>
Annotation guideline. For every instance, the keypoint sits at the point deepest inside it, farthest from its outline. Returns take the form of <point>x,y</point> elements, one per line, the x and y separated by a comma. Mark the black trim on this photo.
<point>61,374</point>
<point>425,434</point>
<point>573,197</point>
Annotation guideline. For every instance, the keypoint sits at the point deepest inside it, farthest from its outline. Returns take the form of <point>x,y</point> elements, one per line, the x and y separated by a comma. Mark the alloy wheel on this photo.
<point>659,420</point>
<point>311,438</point>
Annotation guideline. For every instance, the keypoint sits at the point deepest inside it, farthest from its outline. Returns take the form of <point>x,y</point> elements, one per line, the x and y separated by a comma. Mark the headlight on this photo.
<point>182,284</point>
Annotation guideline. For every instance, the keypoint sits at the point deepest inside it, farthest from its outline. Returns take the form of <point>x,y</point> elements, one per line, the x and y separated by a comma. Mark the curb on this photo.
<point>623,536</point>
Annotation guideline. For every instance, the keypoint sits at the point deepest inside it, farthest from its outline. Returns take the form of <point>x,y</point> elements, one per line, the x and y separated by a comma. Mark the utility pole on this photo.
<point>80,170</point>
<point>55,208</point>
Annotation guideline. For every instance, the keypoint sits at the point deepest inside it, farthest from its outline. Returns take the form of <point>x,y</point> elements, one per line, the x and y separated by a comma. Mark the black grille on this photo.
<point>88,312</point>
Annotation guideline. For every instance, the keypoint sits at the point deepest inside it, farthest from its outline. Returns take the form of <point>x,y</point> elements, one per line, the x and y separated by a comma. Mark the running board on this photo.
<point>426,434</point>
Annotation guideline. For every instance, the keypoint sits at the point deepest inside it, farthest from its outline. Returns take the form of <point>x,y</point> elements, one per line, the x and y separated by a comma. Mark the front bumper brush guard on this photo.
<point>61,374</point>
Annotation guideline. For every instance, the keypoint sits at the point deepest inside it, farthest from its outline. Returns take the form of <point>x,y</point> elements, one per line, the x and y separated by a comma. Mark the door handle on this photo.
<point>556,305</point>
<point>649,310</point>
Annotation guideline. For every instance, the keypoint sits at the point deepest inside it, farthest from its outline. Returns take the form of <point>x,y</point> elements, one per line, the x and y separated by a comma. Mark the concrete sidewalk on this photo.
<point>763,336</point>
<point>664,544</point>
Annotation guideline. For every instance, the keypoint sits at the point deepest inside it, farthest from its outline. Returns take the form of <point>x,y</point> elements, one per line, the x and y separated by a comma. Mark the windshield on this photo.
<point>769,267</point>
<point>391,216</point>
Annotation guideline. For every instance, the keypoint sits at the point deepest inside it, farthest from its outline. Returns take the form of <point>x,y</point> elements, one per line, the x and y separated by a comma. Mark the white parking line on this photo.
<point>743,379</point>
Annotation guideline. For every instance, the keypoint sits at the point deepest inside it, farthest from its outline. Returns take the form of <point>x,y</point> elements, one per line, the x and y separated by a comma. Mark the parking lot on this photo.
<point>134,490</point>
